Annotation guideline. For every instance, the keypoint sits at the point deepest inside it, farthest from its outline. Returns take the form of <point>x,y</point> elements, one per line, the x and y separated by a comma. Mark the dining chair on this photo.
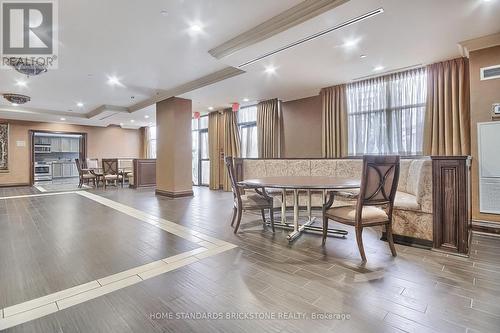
<point>93,165</point>
<point>110,171</point>
<point>84,175</point>
<point>248,202</point>
<point>374,203</point>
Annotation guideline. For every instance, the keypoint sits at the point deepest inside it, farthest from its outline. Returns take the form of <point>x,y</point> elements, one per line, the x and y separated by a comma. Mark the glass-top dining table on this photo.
<point>297,184</point>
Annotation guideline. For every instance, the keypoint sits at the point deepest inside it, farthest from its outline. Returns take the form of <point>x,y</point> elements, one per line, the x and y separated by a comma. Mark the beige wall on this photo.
<point>302,128</point>
<point>483,94</point>
<point>101,143</point>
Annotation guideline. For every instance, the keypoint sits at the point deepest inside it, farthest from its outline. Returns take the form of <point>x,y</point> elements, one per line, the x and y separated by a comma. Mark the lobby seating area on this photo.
<point>412,205</point>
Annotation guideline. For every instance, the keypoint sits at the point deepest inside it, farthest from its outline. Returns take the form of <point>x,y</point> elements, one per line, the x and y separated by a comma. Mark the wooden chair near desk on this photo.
<point>374,203</point>
<point>244,202</point>
<point>111,172</point>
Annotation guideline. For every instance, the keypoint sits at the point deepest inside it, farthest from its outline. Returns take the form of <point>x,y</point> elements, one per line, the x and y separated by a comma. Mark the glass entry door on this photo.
<point>201,161</point>
<point>204,175</point>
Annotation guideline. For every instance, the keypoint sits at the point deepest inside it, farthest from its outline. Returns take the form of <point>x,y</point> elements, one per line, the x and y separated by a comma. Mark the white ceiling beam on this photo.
<point>201,82</point>
<point>291,17</point>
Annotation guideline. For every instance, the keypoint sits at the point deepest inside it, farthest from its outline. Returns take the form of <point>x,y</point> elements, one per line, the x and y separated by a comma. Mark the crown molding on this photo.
<point>479,43</point>
<point>289,18</point>
<point>201,82</point>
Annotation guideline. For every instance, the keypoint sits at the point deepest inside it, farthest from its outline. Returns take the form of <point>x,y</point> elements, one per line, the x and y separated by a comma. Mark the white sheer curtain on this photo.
<point>247,123</point>
<point>386,114</point>
<point>150,134</point>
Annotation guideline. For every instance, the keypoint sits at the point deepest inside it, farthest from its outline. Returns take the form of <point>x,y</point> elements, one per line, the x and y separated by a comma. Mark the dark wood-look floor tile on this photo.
<point>418,291</point>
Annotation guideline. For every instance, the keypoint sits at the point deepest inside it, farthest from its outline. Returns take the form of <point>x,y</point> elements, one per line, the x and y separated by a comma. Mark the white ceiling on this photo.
<point>151,53</point>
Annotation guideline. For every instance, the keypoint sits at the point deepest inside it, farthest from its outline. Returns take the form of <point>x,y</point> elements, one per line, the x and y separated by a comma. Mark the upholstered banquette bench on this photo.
<point>412,218</point>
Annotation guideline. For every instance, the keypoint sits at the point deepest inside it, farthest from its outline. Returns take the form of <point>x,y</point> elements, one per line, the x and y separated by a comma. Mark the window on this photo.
<point>200,159</point>
<point>151,137</point>
<point>386,115</point>
<point>247,125</point>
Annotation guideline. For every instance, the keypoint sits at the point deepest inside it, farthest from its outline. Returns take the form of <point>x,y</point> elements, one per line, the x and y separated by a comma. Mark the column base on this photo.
<point>173,195</point>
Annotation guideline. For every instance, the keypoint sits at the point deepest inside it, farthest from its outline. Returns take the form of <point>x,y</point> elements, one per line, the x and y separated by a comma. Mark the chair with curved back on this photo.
<point>110,171</point>
<point>84,175</point>
<point>374,203</point>
<point>245,202</point>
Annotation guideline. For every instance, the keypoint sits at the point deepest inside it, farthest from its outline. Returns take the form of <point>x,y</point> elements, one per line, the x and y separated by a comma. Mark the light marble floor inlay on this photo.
<point>45,305</point>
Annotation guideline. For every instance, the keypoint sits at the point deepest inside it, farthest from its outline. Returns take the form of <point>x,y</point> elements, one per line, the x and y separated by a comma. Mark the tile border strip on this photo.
<point>39,307</point>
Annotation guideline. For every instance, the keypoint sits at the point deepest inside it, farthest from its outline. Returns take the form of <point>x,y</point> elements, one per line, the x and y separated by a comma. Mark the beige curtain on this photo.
<point>214,146</point>
<point>231,142</point>
<point>268,129</point>
<point>334,124</point>
<point>447,123</point>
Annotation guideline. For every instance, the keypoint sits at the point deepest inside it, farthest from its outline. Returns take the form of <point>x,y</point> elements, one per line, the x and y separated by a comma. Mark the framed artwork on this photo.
<point>4,147</point>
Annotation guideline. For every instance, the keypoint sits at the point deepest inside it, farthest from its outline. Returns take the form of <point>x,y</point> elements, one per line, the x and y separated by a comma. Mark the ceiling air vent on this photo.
<point>490,73</point>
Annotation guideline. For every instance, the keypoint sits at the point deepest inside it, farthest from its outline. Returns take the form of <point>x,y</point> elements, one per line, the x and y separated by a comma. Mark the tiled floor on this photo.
<point>264,281</point>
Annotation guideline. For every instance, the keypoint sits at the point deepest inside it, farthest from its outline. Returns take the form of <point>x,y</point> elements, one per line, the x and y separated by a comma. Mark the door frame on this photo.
<point>82,155</point>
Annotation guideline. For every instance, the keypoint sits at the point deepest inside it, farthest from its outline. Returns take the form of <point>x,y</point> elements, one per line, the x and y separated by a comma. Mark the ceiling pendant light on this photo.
<point>17,98</point>
<point>28,68</point>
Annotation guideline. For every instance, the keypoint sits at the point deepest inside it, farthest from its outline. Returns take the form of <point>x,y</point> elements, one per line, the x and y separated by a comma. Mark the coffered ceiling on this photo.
<point>155,49</point>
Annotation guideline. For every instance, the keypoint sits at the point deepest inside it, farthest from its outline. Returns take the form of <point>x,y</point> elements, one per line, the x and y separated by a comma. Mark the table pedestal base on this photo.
<point>307,228</point>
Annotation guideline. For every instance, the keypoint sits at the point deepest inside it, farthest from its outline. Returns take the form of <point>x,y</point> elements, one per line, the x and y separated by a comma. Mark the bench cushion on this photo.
<point>406,201</point>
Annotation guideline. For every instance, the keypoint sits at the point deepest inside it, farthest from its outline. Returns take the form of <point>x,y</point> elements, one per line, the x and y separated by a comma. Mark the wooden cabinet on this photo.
<point>65,144</point>
<point>74,145</point>
<point>57,170</point>
<point>55,145</point>
<point>451,203</point>
<point>67,170</point>
<point>64,170</point>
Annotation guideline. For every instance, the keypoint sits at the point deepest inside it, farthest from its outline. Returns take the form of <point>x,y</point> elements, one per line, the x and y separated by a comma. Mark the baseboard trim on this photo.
<point>174,195</point>
<point>486,227</point>
<point>15,185</point>
<point>409,241</point>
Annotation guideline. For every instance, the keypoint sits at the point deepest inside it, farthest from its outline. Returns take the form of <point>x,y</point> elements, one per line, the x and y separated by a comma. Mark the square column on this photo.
<point>173,145</point>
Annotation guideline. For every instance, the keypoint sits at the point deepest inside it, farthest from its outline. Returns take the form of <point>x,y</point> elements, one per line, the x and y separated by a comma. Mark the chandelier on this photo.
<point>27,67</point>
<point>17,98</point>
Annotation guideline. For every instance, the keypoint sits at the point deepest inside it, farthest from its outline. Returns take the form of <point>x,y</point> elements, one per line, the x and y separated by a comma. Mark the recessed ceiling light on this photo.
<point>270,69</point>
<point>21,83</point>
<point>246,100</point>
<point>63,119</point>
<point>132,120</point>
<point>114,81</point>
<point>15,104</point>
<point>351,43</point>
<point>211,108</point>
<point>146,116</point>
<point>363,56</point>
<point>79,104</point>
<point>378,68</point>
<point>163,12</point>
<point>196,28</point>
